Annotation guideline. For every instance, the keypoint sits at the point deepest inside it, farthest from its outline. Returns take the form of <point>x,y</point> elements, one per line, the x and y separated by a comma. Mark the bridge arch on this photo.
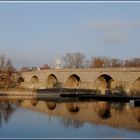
<point>72,81</point>
<point>52,80</point>
<point>20,81</point>
<point>136,85</point>
<point>104,82</point>
<point>34,80</point>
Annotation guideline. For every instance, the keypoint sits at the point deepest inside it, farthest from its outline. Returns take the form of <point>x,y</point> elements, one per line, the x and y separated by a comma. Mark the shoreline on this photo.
<point>63,93</point>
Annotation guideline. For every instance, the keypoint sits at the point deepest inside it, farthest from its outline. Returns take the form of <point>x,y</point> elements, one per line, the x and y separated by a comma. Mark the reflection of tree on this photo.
<point>0,119</point>
<point>6,110</point>
<point>103,110</point>
<point>71,123</point>
<point>118,106</point>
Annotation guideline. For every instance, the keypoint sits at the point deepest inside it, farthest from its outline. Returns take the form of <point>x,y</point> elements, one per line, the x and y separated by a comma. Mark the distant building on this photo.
<point>58,63</point>
<point>38,68</point>
<point>45,66</point>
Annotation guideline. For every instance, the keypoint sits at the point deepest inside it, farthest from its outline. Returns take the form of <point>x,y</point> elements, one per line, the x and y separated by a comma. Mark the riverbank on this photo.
<point>65,93</point>
<point>50,93</point>
<point>17,93</point>
<point>46,92</point>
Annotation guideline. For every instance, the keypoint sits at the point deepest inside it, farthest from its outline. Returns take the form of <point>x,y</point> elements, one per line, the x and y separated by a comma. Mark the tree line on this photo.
<point>78,60</point>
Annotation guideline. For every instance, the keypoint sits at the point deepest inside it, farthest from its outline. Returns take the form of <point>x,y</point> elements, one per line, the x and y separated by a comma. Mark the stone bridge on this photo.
<point>127,79</point>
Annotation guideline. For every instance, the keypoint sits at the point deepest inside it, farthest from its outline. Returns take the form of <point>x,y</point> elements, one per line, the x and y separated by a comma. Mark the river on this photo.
<point>24,118</point>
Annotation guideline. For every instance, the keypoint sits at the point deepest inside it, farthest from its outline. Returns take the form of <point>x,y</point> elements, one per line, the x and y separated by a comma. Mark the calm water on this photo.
<point>45,119</point>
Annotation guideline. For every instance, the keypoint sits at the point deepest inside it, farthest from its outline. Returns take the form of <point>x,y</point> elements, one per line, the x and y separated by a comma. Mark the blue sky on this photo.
<point>33,34</point>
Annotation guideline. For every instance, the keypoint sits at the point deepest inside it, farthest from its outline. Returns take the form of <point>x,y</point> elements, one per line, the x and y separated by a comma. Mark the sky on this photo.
<point>36,33</point>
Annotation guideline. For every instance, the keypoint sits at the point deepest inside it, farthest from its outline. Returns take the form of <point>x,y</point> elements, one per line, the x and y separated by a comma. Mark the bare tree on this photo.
<point>74,60</point>
<point>9,65</point>
<point>2,62</point>
<point>87,63</point>
<point>97,62</point>
<point>68,60</point>
<point>6,71</point>
<point>116,62</point>
<point>10,69</point>
<point>134,62</point>
<point>78,59</point>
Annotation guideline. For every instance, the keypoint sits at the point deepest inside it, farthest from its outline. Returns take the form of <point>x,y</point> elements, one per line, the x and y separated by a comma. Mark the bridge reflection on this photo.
<point>75,114</point>
<point>136,112</point>
<point>72,107</point>
<point>103,110</point>
<point>119,115</point>
<point>51,105</point>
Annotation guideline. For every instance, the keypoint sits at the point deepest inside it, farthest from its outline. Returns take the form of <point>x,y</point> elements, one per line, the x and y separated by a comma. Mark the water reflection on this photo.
<point>72,123</point>
<point>103,110</point>
<point>51,105</point>
<point>136,113</point>
<point>72,107</point>
<point>118,106</point>
<point>33,102</point>
<point>7,108</point>
<point>75,114</point>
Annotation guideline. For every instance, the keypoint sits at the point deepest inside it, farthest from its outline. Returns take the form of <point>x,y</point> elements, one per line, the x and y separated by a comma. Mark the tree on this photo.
<point>6,71</point>
<point>116,62</point>
<point>9,71</point>
<point>74,60</point>
<point>98,62</point>
<point>2,62</point>
<point>134,62</point>
<point>68,60</point>
<point>87,64</point>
